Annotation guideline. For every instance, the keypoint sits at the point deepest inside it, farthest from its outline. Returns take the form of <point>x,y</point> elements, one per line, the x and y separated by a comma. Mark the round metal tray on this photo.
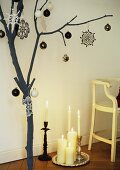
<point>84,160</point>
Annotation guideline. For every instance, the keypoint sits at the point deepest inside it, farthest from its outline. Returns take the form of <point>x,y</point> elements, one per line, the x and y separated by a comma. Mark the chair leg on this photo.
<point>114,136</point>
<point>92,128</point>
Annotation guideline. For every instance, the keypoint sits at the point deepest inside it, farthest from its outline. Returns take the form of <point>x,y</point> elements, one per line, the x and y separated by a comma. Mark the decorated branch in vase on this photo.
<point>12,25</point>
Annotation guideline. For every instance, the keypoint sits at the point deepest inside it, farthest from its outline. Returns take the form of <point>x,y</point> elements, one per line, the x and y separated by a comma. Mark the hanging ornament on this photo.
<point>43,45</point>
<point>88,38</point>
<point>65,58</point>
<point>46,13</point>
<point>23,30</point>
<point>2,33</point>
<point>16,0</point>
<point>15,92</point>
<point>38,13</point>
<point>12,19</point>
<point>34,92</point>
<point>28,102</point>
<point>50,6</point>
<point>107,27</point>
<point>68,35</point>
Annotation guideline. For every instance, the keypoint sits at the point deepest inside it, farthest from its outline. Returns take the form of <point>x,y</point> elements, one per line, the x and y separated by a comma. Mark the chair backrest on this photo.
<point>104,90</point>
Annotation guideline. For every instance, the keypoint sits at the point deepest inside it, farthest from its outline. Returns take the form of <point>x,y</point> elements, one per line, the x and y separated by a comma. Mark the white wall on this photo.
<point>61,83</point>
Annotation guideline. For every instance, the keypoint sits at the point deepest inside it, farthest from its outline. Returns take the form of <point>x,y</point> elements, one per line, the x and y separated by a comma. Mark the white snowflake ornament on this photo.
<point>88,38</point>
<point>12,19</point>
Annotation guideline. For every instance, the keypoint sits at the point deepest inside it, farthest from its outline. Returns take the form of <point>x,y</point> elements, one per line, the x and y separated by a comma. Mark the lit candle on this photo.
<point>78,123</point>
<point>72,138</point>
<point>69,155</point>
<point>61,150</point>
<point>69,119</point>
<point>46,111</point>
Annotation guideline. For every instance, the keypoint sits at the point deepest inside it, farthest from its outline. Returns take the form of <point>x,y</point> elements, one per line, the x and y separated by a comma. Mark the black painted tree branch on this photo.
<point>20,80</point>
<point>55,31</point>
<point>26,86</point>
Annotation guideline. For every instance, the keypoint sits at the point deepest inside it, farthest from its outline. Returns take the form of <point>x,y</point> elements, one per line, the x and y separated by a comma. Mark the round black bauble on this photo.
<point>2,33</point>
<point>68,35</point>
<point>16,0</point>
<point>107,27</point>
<point>15,92</point>
<point>43,45</point>
<point>46,13</point>
<point>65,58</point>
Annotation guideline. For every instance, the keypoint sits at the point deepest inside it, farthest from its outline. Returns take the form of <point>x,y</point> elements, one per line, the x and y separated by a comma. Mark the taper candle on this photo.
<point>79,121</point>
<point>69,119</point>
<point>46,111</point>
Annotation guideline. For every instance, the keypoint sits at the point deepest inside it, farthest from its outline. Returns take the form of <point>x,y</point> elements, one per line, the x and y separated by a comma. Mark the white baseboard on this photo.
<point>20,153</point>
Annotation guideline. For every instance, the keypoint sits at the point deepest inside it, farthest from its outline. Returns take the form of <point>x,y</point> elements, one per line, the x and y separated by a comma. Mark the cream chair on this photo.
<point>111,107</point>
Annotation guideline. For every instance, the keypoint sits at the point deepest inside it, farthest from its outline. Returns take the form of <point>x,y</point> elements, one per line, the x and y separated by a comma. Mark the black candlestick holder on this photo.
<point>45,156</point>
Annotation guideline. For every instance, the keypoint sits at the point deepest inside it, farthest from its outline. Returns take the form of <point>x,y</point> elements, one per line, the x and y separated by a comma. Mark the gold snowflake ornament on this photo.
<point>88,38</point>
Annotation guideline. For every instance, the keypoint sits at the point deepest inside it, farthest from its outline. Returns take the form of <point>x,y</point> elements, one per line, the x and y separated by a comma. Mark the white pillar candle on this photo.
<point>69,155</point>
<point>69,119</point>
<point>46,111</point>
<point>72,138</point>
<point>78,120</point>
<point>61,150</point>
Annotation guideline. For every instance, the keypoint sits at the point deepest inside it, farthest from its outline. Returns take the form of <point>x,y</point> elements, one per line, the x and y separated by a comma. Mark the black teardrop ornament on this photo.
<point>107,27</point>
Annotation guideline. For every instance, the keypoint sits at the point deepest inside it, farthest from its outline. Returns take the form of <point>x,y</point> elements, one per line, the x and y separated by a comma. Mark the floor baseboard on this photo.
<point>20,153</point>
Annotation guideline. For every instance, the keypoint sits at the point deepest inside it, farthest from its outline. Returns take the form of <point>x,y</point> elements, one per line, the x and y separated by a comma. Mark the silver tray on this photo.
<point>84,160</point>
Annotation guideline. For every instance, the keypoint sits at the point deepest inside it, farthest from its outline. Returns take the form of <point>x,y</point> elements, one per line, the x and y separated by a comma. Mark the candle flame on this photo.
<point>72,129</point>
<point>78,112</point>
<point>69,144</point>
<point>62,136</point>
<point>46,103</point>
<point>69,109</point>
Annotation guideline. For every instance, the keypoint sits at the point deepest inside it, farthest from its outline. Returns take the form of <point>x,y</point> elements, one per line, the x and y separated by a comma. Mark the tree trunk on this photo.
<point>29,148</point>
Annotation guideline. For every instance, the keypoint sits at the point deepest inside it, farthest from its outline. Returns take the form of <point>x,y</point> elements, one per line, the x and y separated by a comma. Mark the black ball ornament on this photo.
<point>65,58</point>
<point>16,0</point>
<point>107,27</point>
<point>68,35</point>
<point>2,33</point>
<point>15,92</point>
<point>43,45</point>
<point>46,13</point>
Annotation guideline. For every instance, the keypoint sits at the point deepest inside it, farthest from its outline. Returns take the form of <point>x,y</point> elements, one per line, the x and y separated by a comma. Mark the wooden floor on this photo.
<point>99,160</point>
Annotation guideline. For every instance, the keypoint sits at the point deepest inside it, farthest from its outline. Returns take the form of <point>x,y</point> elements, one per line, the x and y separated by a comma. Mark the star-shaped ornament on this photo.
<point>88,38</point>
